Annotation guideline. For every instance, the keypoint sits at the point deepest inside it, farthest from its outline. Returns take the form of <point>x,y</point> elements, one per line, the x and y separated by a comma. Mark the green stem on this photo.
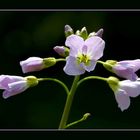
<point>101,62</point>
<point>91,77</point>
<point>60,59</point>
<point>85,116</point>
<point>68,104</point>
<point>104,63</point>
<point>57,81</point>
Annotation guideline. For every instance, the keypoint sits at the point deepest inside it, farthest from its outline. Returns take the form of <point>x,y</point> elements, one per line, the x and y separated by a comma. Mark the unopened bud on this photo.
<point>68,30</point>
<point>78,33</point>
<point>85,116</point>
<point>99,33</point>
<point>91,34</point>
<point>62,51</point>
<point>84,33</point>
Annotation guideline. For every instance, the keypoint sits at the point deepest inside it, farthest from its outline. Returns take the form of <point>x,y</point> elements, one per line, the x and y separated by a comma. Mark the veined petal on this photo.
<point>132,88</point>
<point>90,66</point>
<point>122,99</point>
<point>84,50</point>
<point>75,43</point>
<point>95,47</point>
<point>15,88</point>
<point>6,79</point>
<point>72,67</point>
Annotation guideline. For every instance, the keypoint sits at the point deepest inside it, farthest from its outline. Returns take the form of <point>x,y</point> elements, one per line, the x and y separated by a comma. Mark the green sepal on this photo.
<point>92,34</point>
<point>48,62</point>
<point>31,81</point>
<point>66,53</point>
<point>113,83</point>
<point>78,33</point>
<point>109,64</point>
<point>84,33</point>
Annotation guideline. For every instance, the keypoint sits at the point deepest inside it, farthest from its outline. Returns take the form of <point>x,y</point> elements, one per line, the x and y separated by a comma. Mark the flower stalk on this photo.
<point>68,104</point>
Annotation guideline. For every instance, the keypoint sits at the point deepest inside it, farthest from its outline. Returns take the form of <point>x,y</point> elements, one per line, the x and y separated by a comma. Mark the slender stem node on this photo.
<point>91,77</point>
<point>57,81</point>
<point>101,62</point>
<point>60,59</point>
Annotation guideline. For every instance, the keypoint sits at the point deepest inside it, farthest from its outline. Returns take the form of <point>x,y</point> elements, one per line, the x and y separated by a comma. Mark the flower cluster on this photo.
<point>81,53</point>
<point>85,50</point>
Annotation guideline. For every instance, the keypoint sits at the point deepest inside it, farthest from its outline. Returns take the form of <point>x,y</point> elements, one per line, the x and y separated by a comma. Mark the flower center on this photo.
<point>82,58</point>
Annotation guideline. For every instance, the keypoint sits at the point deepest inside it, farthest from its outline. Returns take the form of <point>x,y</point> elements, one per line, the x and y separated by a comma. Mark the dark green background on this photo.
<point>25,34</point>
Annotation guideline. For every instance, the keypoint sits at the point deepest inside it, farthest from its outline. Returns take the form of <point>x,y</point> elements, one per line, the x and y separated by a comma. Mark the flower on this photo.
<point>127,69</point>
<point>32,64</point>
<point>36,64</point>
<point>14,85</point>
<point>83,54</point>
<point>123,90</point>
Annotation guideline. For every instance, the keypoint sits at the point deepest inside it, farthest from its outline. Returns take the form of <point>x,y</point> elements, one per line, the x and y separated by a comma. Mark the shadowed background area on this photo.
<point>25,34</point>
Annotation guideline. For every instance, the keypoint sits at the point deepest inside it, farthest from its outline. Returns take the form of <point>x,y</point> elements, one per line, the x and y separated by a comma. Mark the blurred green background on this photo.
<point>25,34</point>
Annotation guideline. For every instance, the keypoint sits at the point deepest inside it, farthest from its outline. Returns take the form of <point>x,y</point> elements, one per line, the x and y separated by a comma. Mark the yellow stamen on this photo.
<point>83,58</point>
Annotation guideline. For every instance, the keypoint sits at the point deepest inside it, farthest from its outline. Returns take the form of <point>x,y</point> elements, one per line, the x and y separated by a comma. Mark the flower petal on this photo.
<point>32,64</point>
<point>132,88</point>
<point>137,64</point>
<point>95,47</point>
<point>134,64</point>
<point>72,67</point>
<point>75,43</point>
<point>125,72</point>
<point>6,79</point>
<point>91,66</point>
<point>15,88</point>
<point>122,99</point>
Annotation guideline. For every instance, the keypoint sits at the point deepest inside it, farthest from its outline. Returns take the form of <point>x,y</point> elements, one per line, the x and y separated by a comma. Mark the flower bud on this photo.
<point>84,33</point>
<point>99,33</point>
<point>91,34</point>
<point>78,33</point>
<point>48,62</point>
<point>85,116</point>
<point>68,30</point>
<point>62,51</point>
